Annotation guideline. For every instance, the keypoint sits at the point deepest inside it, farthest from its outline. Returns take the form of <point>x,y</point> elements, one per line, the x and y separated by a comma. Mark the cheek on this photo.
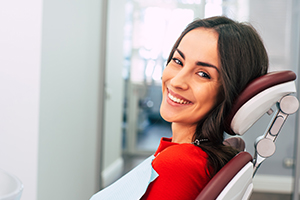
<point>210,96</point>
<point>167,74</point>
<point>216,98</point>
<point>163,82</point>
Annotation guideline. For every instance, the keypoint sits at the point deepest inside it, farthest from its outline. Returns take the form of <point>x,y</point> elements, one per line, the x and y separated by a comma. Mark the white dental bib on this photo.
<point>132,185</point>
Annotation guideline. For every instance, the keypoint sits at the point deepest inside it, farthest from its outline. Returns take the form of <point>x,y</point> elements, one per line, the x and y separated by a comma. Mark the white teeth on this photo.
<point>181,101</point>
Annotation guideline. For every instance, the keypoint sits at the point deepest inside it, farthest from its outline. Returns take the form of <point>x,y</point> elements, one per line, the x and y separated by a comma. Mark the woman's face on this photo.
<point>191,80</point>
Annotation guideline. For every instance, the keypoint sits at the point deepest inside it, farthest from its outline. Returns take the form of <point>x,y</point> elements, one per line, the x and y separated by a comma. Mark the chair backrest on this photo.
<point>216,185</point>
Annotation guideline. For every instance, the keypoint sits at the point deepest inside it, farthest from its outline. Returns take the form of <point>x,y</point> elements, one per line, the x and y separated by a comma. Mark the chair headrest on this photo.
<point>259,92</point>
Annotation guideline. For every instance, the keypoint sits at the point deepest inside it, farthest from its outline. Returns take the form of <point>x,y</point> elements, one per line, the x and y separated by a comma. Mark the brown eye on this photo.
<point>177,61</point>
<point>204,75</point>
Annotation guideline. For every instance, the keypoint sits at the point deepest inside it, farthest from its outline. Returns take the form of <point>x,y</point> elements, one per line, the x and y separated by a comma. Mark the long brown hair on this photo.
<point>243,57</point>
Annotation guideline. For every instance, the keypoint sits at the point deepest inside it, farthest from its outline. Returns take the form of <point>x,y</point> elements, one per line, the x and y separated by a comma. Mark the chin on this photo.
<point>164,115</point>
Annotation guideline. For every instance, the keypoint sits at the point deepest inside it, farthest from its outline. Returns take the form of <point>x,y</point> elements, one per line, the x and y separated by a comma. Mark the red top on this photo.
<point>181,169</point>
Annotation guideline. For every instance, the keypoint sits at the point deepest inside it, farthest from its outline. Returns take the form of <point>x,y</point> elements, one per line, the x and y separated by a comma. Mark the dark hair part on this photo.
<point>243,58</point>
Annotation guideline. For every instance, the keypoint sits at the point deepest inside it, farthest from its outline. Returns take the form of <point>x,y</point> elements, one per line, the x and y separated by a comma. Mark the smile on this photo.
<point>176,100</point>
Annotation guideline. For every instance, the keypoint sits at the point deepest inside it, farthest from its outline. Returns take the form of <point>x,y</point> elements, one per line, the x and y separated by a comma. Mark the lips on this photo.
<point>177,98</point>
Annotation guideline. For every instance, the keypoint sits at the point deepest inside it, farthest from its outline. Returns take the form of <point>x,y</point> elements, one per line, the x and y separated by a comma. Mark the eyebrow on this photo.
<point>204,64</point>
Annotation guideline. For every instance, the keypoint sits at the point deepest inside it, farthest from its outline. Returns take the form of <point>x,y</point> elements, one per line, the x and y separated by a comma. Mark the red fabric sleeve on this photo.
<point>182,173</point>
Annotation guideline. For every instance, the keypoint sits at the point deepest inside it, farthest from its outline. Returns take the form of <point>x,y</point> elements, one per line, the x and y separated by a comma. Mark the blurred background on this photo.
<point>80,86</point>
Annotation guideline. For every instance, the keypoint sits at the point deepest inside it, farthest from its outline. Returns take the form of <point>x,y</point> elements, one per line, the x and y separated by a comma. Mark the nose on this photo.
<point>180,80</point>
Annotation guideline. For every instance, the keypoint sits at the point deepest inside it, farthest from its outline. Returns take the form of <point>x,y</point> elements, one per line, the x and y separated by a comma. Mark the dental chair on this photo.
<point>234,180</point>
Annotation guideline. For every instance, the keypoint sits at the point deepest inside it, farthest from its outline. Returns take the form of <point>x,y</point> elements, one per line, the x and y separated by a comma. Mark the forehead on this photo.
<point>201,44</point>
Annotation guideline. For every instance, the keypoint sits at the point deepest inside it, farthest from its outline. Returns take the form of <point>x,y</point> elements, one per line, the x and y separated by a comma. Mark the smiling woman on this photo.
<point>191,83</point>
<point>210,64</point>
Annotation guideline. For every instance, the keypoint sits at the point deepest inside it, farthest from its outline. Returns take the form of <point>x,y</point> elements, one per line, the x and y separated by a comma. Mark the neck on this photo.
<point>182,133</point>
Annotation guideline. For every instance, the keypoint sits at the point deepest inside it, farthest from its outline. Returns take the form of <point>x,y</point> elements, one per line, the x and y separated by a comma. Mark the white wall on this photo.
<point>49,106</point>
<point>70,70</point>
<point>20,50</point>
